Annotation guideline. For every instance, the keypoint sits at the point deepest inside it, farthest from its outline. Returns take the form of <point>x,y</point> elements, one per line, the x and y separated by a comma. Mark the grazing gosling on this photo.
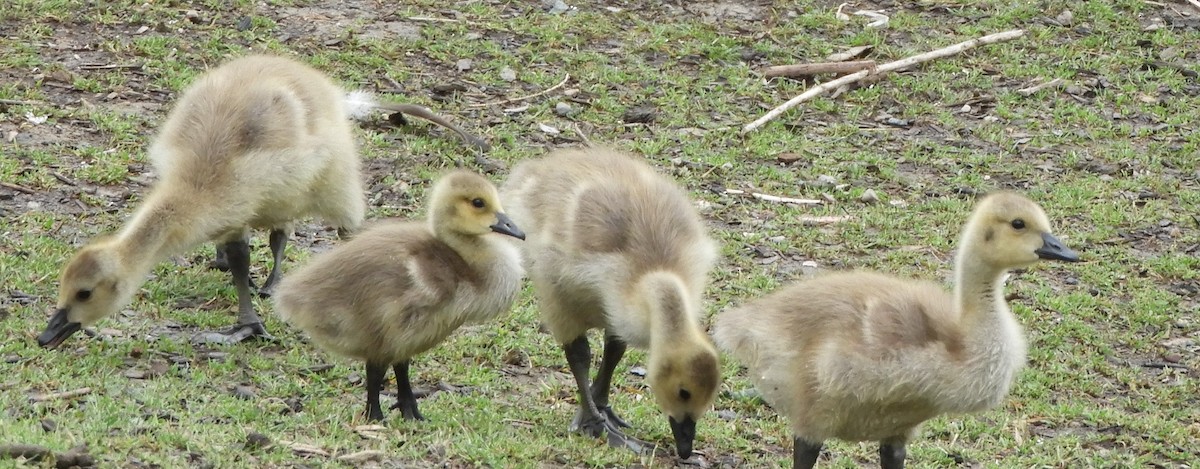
<point>399,288</point>
<point>614,245</point>
<point>255,143</point>
<point>862,356</point>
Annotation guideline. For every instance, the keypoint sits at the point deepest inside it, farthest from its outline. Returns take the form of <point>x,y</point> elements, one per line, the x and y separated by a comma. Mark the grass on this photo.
<point>1112,159</point>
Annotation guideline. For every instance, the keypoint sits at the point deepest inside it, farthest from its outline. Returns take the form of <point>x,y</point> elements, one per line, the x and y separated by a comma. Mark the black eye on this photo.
<point>684,394</point>
<point>478,203</point>
<point>1018,224</point>
<point>83,295</point>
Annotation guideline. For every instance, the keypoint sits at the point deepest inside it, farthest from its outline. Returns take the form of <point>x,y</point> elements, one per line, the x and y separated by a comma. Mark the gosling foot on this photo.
<point>234,335</point>
<point>408,409</point>
<point>613,417</point>
<point>597,425</point>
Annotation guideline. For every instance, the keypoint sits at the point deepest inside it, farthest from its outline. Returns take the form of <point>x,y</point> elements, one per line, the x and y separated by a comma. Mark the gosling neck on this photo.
<point>668,303</point>
<point>978,288</point>
<point>160,227</point>
<point>471,247</point>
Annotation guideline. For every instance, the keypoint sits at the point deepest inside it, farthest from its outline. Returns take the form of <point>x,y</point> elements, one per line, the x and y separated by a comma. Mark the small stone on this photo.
<point>244,23</point>
<point>256,440</point>
<point>49,425</point>
<point>894,122</point>
<point>1065,18</point>
<point>825,180</point>
<point>726,414</point>
<point>1071,281</point>
<point>508,74</point>
<point>464,64</point>
<point>638,371</point>
<point>243,392</point>
<point>292,406</point>
<point>555,7</point>
<point>1172,357</point>
<point>869,196</point>
<point>643,114</point>
<point>787,157</point>
<point>563,109</point>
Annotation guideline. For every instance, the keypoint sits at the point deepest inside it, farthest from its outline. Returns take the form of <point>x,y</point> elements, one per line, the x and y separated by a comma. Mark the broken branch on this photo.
<point>888,67</point>
<point>799,70</point>
<point>1039,87</point>
<point>522,98</point>
<point>17,187</point>
<point>775,198</point>
<point>60,395</point>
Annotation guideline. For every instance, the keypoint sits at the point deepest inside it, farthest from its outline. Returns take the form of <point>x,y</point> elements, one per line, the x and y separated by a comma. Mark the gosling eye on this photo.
<point>684,394</point>
<point>1018,224</point>
<point>478,203</point>
<point>83,295</point>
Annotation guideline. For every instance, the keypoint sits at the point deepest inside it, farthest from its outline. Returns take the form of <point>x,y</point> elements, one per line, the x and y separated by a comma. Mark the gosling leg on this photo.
<point>376,374</point>
<point>589,420</point>
<point>279,239</point>
<point>804,453</point>
<point>405,400</point>
<point>614,349</point>
<point>220,260</point>
<point>249,325</point>
<point>891,454</point>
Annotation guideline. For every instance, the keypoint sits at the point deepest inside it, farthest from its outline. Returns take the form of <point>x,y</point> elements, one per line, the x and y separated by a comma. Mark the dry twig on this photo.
<point>522,98</point>
<point>108,66</point>
<point>888,67</point>
<point>799,70</point>
<point>1195,3</point>
<point>20,102</point>
<point>775,198</point>
<point>1039,87</point>
<point>60,395</point>
<point>429,19</point>
<point>17,187</point>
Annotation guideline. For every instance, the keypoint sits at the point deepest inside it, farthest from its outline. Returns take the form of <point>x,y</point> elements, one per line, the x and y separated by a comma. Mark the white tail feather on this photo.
<point>359,104</point>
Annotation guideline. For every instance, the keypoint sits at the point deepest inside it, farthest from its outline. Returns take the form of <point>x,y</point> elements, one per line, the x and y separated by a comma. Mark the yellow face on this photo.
<point>466,203</point>
<point>685,387</point>
<point>91,287</point>
<point>1014,232</point>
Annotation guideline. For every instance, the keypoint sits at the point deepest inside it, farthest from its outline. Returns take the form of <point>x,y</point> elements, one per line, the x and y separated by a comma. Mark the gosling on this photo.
<point>399,288</point>
<point>862,356</point>
<point>614,245</point>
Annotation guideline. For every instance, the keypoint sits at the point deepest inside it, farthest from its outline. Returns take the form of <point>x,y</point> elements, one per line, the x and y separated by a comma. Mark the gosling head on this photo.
<point>684,384</point>
<point>1009,231</point>
<point>92,285</point>
<point>465,203</point>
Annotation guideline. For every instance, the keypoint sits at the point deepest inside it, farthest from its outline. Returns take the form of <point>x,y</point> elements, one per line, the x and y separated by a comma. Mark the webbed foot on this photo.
<point>234,335</point>
<point>408,410</point>
<point>613,417</point>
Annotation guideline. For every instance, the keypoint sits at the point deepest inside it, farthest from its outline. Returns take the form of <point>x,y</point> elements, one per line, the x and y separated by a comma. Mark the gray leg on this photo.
<point>279,239</point>
<point>249,325</point>
<point>614,349</point>
<point>589,420</point>
<point>891,454</point>
<point>804,453</point>
<point>220,261</point>
<point>376,374</point>
<point>405,400</point>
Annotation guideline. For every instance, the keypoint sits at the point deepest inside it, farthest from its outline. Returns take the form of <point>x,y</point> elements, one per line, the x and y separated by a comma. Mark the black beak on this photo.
<point>685,433</point>
<point>58,330</point>
<point>505,225</point>
<point>1053,249</point>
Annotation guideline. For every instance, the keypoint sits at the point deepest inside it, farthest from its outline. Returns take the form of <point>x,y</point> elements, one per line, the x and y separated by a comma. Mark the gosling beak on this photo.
<point>58,330</point>
<point>685,433</point>
<point>1053,249</point>
<point>505,225</point>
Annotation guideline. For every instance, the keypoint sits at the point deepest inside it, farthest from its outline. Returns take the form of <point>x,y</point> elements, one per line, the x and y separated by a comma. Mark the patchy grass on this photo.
<point>1112,377</point>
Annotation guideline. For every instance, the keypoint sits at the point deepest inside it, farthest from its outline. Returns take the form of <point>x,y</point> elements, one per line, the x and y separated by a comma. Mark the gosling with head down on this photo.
<point>863,356</point>
<point>401,287</point>
<point>614,245</point>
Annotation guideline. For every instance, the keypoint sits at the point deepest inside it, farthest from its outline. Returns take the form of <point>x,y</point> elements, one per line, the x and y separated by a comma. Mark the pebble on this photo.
<point>869,196</point>
<point>563,109</point>
<point>243,392</point>
<point>256,440</point>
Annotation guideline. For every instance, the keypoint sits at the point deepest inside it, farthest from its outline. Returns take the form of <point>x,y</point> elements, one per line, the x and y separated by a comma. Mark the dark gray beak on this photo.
<point>58,330</point>
<point>1053,249</point>
<point>685,433</point>
<point>505,225</point>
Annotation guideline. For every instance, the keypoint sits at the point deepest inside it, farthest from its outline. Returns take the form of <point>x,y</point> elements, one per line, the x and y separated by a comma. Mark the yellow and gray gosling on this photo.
<point>862,356</point>
<point>399,288</point>
<point>614,245</point>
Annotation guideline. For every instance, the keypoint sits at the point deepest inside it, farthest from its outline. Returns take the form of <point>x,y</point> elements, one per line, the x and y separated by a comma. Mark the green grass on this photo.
<point>1115,167</point>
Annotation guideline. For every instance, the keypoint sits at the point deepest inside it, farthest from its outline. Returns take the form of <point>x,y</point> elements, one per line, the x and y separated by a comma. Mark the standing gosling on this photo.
<point>862,356</point>
<point>255,143</point>
<point>614,245</point>
<point>399,288</point>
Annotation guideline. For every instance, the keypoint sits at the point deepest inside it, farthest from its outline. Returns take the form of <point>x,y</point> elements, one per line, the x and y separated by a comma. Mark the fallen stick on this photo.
<point>60,395</point>
<point>20,102</point>
<point>522,98</point>
<point>108,66</point>
<point>888,67</point>
<point>1039,87</point>
<point>430,19</point>
<point>1195,3</point>
<point>800,70</point>
<point>17,187</point>
<point>775,198</point>
<point>826,220</point>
